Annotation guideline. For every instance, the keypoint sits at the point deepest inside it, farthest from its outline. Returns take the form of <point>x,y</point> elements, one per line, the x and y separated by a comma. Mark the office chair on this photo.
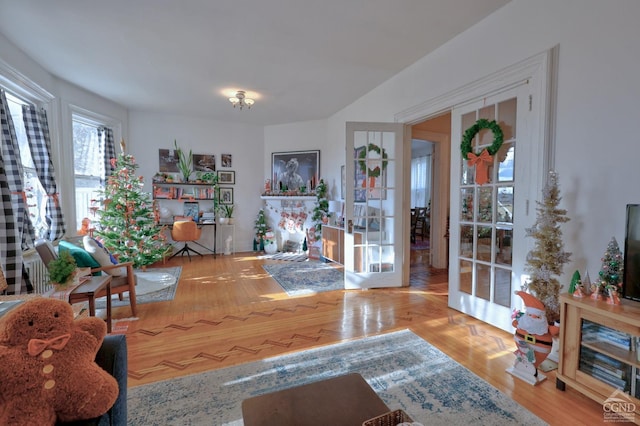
<point>185,231</point>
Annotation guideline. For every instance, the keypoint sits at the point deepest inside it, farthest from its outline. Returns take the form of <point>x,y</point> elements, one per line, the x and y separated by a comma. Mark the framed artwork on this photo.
<point>226,177</point>
<point>226,196</point>
<point>362,184</point>
<point>294,169</point>
<point>168,161</point>
<point>204,163</point>
<point>225,160</point>
<point>192,210</point>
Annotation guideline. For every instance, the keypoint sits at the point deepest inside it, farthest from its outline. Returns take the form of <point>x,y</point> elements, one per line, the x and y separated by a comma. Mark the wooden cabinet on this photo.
<point>599,351</point>
<point>183,191</point>
<point>333,243</point>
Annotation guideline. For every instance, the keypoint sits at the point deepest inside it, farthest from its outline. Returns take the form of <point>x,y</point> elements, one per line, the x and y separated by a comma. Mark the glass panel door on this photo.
<point>484,220</point>
<point>374,241</point>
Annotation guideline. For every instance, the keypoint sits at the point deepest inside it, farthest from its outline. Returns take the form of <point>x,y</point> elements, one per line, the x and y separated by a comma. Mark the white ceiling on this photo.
<point>300,59</point>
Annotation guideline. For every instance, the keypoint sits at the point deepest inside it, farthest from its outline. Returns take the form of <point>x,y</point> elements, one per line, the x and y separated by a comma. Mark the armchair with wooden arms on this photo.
<point>123,278</point>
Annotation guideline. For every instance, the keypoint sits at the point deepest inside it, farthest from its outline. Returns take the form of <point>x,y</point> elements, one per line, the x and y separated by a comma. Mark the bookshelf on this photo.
<point>599,354</point>
<point>183,191</point>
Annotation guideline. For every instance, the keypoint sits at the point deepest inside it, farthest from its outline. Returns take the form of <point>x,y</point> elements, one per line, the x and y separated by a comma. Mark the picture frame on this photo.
<point>192,210</point>
<point>204,163</point>
<point>226,160</point>
<point>167,161</point>
<point>226,177</point>
<point>295,169</point>
<point>226,196</point>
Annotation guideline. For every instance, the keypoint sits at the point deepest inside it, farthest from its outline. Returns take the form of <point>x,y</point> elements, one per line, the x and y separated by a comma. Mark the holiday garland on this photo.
<point>469,134</point>
<point>363,164</point>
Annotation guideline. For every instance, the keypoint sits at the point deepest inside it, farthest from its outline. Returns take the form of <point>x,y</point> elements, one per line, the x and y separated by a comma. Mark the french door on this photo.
<point>488,220</point>
<point>375,239</point>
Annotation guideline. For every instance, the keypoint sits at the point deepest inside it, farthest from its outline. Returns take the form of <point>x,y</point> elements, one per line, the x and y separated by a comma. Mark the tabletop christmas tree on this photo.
<point>127,219</point>
<point>545,261</point>
<point>610,275</point>
<point>261,230</point>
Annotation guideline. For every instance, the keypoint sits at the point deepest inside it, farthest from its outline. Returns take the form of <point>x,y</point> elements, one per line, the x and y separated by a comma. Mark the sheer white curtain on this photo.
<point>420,181</point>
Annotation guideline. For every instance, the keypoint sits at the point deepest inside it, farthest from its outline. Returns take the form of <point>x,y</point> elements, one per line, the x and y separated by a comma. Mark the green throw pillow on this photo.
<point>82,257</point>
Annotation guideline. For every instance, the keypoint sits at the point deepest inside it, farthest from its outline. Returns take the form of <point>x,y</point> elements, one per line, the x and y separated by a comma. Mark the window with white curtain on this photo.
<point>34,192</point>
<point>421,181</point>
<point>88,164</point>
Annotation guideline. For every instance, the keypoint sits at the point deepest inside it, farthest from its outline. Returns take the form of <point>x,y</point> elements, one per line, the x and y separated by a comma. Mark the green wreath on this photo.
<point>363,163</point>
<point>498,137</point>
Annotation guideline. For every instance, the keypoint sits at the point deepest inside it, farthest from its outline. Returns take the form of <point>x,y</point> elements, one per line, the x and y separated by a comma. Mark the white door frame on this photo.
<point>539,71</point>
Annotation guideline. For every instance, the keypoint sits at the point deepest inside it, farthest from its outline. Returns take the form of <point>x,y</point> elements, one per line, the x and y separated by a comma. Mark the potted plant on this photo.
<point>227,211</point>
<point>62,270</point>
<point>185,162</point>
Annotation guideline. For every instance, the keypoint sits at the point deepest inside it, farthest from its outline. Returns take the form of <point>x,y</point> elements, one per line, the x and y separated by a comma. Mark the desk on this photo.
<point>89,290</point>
<point>200,225</point>
<point>341,401</point>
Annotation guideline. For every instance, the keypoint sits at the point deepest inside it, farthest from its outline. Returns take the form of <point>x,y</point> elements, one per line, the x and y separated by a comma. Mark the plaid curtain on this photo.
<point>37,127</point>
<point>12,194</point>
<point>105,135</point>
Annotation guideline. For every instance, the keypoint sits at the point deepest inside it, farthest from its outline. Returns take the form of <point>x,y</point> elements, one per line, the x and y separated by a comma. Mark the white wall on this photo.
<point>596,124</point>
<point>149,132</point>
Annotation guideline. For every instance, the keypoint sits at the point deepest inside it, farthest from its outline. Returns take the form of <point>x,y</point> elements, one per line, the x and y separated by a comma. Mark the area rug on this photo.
<point>404,370</point>
<point>290,256</point>
<point>153,285</point>
<point>306,278</point>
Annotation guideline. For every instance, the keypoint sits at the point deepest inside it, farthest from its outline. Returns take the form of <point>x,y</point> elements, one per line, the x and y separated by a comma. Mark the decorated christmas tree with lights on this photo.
<point>127,219</point>
<point>611,272</point>
<point>546,260</point>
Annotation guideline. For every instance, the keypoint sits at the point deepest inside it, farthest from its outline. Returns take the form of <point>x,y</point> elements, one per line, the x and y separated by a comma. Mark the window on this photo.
<point>35,194</point>
<point>88,164</point>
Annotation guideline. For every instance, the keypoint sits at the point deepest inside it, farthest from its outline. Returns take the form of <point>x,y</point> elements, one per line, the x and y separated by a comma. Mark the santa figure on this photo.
<point>533,337</point>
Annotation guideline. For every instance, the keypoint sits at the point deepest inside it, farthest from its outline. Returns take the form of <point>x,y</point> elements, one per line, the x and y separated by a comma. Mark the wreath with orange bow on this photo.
<point>471,132</point>
<point>482,160</point>
<point>362,161</point>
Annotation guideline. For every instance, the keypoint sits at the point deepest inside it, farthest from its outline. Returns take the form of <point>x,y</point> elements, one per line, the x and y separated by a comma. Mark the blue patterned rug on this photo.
<point>153,285</point>
<point>404,370</point>
<point>306,278</point>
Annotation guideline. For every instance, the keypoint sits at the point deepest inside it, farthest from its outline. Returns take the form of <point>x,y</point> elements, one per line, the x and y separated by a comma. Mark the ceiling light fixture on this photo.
<point>241,100</point>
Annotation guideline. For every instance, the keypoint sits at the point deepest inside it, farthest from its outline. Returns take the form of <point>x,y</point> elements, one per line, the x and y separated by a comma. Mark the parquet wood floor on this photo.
<point>229,311</point>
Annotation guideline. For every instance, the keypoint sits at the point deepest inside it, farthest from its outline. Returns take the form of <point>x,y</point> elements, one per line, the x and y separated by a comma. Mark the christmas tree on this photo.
<point>127,224</point>
<point>321,211</point>
<point>546,260</point>
<point>610,274</point>
<point>261,229</point>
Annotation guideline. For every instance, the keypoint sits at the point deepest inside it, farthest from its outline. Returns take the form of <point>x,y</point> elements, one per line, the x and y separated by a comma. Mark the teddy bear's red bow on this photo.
<point>37,346</point>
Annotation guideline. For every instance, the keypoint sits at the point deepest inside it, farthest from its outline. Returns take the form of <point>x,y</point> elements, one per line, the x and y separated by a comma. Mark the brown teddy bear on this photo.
<point>47,365</point>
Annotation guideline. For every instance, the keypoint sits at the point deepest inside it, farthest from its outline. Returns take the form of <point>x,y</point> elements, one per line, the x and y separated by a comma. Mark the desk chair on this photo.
<point>119,284</point>
<point>185,231</point>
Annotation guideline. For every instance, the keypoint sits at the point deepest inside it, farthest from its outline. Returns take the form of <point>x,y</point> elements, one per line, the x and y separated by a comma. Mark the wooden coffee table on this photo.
<point>89,289</point>
<point>341,401</point>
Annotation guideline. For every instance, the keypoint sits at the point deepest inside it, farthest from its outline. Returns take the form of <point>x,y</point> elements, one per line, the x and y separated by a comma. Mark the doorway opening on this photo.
<point>431,140</point>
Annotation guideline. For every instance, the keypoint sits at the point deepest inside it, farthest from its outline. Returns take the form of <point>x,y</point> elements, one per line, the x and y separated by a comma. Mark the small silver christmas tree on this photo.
<point>546,260</point>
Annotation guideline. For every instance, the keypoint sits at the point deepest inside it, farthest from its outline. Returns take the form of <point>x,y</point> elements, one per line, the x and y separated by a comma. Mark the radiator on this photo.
<point>38,273</point>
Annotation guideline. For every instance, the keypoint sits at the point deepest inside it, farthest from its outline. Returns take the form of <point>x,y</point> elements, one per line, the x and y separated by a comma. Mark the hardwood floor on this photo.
<point>229,311</point>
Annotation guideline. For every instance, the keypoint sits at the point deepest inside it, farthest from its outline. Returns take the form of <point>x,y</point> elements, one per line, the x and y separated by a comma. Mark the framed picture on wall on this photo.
<point>294,169</point>
<point>226,177</point>
<point>226,196</point>
<point>168,161</point>
<point>204,162</point>
<point>226,160</point>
